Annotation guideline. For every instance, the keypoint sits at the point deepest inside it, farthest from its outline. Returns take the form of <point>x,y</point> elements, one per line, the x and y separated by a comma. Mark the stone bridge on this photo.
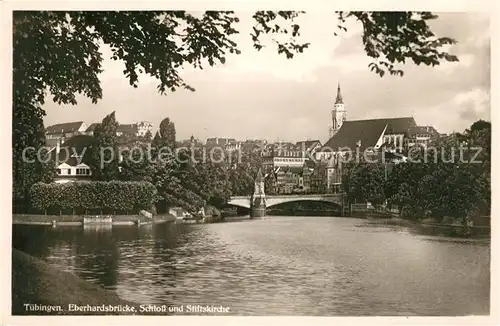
<point>273,200</point>
<point>259,202</point>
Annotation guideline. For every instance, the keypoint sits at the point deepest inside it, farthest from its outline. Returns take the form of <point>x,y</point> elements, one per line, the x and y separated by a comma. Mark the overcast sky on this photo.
<point>264,95</point>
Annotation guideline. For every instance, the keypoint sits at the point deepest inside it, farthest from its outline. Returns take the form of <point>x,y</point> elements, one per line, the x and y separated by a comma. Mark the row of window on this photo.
<point>281,159</point>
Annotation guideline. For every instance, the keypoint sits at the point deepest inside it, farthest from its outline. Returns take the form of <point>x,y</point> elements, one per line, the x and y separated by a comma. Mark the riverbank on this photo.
<point>73,220</point>
<point>38,283</point>
<point>433,228</point>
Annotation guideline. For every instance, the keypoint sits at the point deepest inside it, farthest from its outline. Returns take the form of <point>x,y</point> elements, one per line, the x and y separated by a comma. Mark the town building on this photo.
<point>129,130</point>
<point>273,159</point>
<point>65,130</point>
<point>308,146</point>
<point>232,146</point>
<point>222,142</point>
<point>253,145</point>
<point>326,177</point>
<point>421,136</point>
<point>143,127</point>
<point>291,179</point>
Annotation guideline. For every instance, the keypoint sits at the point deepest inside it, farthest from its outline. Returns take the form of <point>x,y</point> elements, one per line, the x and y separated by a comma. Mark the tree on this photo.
<point>165,136</point>
<point>365,182</point>
<point>58,52</point>
<point>105,154</point>
<point>479,125</point>
<point>449,183</point>
<point>137,164</point>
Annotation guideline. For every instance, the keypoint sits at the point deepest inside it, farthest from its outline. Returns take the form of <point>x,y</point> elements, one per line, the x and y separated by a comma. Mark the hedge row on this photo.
<point>116,196</point>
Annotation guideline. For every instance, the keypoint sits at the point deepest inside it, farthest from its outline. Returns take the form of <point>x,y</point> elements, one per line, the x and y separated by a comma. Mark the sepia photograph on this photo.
<point>244,162</point>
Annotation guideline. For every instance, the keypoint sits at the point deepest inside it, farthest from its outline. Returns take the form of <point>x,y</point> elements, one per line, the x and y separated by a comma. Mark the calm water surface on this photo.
<point>275,266</point>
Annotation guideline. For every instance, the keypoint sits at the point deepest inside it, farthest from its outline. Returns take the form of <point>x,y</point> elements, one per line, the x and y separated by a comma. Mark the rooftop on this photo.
<point>64,127</point>
<point>362,133</point>
<point>79,145</point>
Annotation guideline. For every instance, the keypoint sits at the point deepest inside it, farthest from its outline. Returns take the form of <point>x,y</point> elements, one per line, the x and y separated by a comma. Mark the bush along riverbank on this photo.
<point>446,227</point>
<point>98,202</point>
<point>93,198</point>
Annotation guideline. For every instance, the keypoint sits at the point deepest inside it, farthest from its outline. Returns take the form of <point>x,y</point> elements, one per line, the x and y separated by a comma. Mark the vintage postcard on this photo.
<point>238,160</point>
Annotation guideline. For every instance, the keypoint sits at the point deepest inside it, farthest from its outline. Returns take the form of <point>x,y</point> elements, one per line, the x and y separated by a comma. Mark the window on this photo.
<point>58,171</point>
<point>68,171</point>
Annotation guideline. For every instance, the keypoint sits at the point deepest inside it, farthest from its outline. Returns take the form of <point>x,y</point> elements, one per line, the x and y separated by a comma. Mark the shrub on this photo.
<point>113,196</point>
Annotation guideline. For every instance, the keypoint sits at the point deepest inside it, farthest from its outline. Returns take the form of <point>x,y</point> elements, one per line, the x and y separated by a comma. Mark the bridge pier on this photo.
<point>257,212</point>
<point>258,202</point>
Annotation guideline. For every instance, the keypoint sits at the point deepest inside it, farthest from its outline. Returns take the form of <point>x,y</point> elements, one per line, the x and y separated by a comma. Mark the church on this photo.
<point>360,138</point>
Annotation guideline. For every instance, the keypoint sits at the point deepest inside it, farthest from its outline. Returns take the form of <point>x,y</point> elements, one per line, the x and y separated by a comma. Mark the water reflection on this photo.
<point>279,265</point>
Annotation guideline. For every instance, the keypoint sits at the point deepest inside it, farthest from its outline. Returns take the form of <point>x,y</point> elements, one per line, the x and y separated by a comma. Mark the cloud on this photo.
<point>468,107</point>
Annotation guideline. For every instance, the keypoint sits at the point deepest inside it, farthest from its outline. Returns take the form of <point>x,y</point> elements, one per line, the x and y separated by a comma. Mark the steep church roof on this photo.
<point>367,132</point>
<point>364,133</point>
<point>399,125</point>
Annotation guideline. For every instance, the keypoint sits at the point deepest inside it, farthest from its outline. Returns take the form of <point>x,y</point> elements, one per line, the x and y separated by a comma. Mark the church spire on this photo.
<point>338,100</point>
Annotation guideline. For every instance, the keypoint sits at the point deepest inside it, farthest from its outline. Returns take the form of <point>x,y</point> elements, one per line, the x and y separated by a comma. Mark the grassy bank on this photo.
<point>78,220</point>
<point>36,282</point>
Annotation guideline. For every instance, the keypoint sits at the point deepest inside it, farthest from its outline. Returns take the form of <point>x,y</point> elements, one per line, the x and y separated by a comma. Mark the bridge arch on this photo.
<point>272,201</point>
<point>240,201</point>
<point>297,201</point>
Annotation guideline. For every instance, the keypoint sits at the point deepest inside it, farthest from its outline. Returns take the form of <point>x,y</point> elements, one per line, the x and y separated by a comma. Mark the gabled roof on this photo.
<point>307,144</point>
<point>80,145</point>
<point>364,132</point>
<point>64,127</point>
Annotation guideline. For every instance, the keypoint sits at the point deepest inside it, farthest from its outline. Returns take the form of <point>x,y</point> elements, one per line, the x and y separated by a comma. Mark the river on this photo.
<point>276,266</point>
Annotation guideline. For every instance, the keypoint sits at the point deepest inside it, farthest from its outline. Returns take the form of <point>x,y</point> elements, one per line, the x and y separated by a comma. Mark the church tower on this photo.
<point>338,113</point>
